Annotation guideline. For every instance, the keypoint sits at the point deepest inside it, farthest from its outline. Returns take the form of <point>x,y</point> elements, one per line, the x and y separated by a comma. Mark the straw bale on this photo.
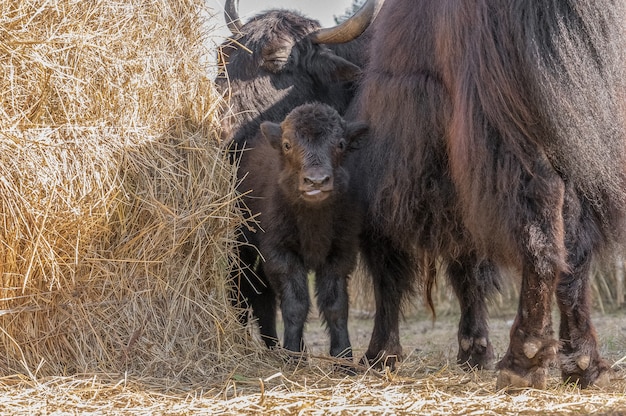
<point>117,206</point>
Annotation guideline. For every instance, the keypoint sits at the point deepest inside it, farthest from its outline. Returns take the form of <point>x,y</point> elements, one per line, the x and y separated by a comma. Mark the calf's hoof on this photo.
<point>380,361</point>
<point>475,353</point>
<point>348,368</point>
<point>292,358</point>
<point>344,362</point>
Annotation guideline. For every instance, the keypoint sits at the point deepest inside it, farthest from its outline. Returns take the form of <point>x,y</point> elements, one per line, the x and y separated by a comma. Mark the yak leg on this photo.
<point>473,283</point>
<point>332,300</point>
<point>264,309</point>
<point>253,290</point>
<point>289,276</point>
<point>542,247</point>
<point>580,361</point>
<point>532,347</point>
<point>392,274</point>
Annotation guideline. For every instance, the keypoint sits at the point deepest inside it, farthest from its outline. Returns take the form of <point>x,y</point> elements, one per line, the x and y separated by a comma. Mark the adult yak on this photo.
<point>497,138</point>
<point>280,59</point>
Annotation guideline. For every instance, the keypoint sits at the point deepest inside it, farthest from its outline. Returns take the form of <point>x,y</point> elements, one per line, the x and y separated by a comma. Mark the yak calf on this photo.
<point>295,188</point>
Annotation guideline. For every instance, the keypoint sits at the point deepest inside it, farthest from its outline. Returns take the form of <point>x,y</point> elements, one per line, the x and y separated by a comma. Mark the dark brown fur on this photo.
<point>497,138</point>
<point>296,188</point>
<point>273,66</point>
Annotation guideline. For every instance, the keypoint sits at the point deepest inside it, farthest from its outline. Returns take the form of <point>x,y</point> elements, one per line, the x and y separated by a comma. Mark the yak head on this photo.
<point>312,141</point>
<point>281,59</point>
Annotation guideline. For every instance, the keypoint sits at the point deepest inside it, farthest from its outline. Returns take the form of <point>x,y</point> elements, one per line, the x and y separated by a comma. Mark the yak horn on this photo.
<point>351,28</point>
<point>231,14</point>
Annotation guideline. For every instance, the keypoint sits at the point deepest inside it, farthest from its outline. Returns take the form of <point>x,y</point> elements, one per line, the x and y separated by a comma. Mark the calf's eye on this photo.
<point>342,145</point>
<point>286,146</point>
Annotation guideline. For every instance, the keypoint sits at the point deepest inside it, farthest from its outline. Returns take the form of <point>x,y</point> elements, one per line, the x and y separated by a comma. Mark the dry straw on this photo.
<point>118,218</point>
<point>116,203</point>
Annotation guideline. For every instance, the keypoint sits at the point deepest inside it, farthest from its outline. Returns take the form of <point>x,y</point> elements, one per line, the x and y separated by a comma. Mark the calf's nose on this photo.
<point>317,180</point>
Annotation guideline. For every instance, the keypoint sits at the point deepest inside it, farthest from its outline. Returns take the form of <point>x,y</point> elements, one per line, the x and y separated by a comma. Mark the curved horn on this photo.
<point>231,14</point>
<point>351,28</point>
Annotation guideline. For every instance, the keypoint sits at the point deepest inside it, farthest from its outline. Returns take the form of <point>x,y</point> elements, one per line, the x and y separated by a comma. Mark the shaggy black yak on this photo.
<point>306,219</point>
<point>280,59</point>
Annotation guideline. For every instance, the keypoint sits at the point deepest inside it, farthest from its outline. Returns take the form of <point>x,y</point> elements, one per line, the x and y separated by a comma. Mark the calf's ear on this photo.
<point>354,131</point>
<point>272,132</point>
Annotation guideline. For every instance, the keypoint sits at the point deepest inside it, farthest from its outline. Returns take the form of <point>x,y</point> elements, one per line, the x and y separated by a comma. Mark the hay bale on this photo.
<point>117,207</point>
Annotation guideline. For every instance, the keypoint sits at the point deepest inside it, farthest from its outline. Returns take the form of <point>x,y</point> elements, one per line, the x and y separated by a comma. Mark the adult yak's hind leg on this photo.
<point>393,273</point>
<point>580,361</point>
<point>473,283</point>
<point>532,347</point>
<point>541,240</point>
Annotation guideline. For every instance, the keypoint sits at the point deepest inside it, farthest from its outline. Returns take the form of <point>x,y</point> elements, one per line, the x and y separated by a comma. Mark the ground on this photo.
<point>427,382</point>
<point>421,336</point>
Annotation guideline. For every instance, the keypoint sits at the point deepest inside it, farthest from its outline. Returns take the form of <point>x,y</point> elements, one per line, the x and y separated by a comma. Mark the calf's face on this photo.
<point>312,142</point>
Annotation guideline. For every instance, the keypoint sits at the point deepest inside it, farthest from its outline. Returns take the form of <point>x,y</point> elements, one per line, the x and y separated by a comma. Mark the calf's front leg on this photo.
<point>287,273</point>
<point>332,300</point>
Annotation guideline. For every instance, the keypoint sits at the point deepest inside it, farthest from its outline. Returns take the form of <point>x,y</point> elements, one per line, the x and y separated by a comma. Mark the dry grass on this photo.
<point>426,383</point>
<point>117,205</point>
<point>118,216</point>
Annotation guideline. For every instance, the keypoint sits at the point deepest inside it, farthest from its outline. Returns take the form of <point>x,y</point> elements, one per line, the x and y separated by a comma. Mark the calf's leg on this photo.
<point>332,300</point>
<point>289,277</point>
<point>264,309</point>
<point>251,289</point>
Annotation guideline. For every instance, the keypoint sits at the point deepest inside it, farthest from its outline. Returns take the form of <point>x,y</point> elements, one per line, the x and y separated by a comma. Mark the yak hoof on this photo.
<point>475,353</point>
<point>583,362</point>
<point>531,348</point>
<point>380,361</point>
<point>604,380</point>
<point>525,365</point>
<point>584,380</point>
<point>344,363</point>
<point>347,369</point>
<point>587,371</point>
<point>466,343</point>
<point>535,378</point>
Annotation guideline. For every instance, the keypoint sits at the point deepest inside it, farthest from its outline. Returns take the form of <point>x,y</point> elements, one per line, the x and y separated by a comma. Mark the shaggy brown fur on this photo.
<point>296,188</point>
<point>498,137</point>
